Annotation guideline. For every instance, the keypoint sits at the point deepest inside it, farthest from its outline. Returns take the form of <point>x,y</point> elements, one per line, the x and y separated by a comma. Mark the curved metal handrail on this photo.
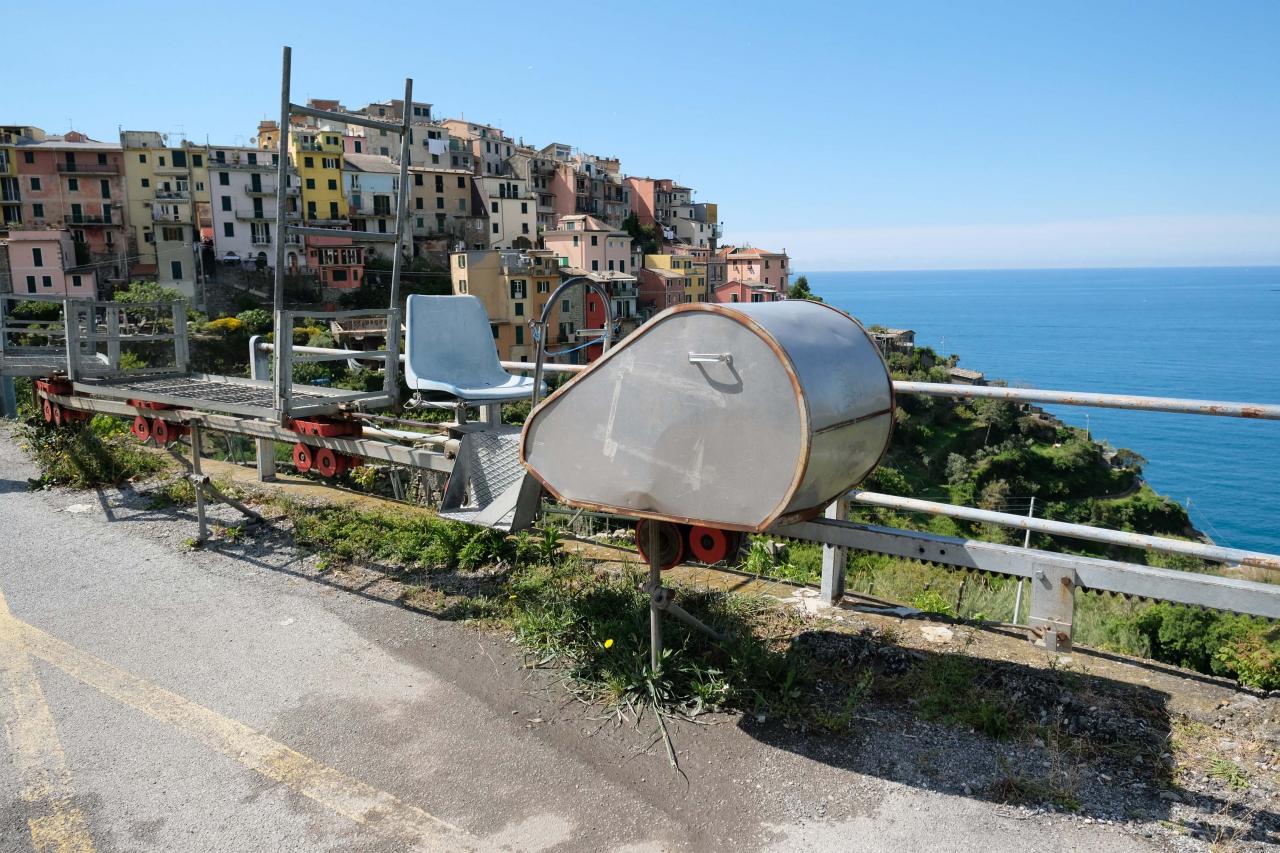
<point>540,326</point>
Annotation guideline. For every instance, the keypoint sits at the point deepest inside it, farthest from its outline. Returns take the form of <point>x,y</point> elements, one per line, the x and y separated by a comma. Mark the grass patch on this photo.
<point>950,688</point>
<point>87,455</point>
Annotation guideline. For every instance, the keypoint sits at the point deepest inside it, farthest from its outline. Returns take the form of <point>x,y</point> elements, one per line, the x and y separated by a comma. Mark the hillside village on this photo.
<point>489,215</point>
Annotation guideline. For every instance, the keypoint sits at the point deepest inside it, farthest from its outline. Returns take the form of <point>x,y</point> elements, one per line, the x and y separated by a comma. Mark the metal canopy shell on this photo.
<point>730,416</point>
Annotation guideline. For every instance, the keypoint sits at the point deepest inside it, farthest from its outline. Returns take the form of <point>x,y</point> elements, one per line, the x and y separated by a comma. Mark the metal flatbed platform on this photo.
<point>215,393</point>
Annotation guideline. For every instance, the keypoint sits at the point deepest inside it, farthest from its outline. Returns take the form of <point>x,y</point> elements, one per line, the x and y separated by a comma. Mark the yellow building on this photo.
<point>317,157</point>
<point>693,270</point>
<point>514,288</point>
<point>167,188</point>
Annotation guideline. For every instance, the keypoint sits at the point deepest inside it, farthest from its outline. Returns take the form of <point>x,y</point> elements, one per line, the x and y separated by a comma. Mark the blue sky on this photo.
<point>856,135</point>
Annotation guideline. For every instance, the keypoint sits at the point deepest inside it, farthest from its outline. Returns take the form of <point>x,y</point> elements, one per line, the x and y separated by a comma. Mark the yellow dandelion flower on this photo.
<point>608,644</point>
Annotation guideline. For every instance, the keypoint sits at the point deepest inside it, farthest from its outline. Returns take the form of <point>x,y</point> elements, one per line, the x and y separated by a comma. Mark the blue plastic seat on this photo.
<point>449,349</point>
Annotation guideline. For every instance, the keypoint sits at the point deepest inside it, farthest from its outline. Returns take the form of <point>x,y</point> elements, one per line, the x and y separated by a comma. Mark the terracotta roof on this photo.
<point>753,252</point>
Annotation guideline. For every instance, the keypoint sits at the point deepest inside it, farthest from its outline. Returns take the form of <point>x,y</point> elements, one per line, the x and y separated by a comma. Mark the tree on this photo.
<point>800,290</point>
<point>147,291</point>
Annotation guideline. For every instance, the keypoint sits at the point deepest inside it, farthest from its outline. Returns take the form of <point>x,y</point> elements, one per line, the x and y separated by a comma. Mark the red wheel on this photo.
<point>141,428</point>
<point>46,409</point>
<point>161,431</point>
<point>58,416</point>
<point>326,462</point>
<point>670,542</point>
<point>302,458</point>
<point>711,545</point>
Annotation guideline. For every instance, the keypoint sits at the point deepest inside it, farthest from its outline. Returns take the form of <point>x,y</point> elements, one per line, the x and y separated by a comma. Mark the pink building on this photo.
<point>44,263</point>
<point>741,291</point>
<point>338,262</point>
<point>650,199</point>
<point>757,266</point>
<point>590,244</point>
<point>77,183</point>
<point>660,289</point>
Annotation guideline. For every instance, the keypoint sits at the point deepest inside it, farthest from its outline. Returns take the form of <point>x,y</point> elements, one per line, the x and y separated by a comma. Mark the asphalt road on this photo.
<point>159,699</point>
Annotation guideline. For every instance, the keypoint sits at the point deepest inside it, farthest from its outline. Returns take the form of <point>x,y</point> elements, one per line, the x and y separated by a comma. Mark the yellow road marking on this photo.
<point>57,823</point>
<point>348,797</point>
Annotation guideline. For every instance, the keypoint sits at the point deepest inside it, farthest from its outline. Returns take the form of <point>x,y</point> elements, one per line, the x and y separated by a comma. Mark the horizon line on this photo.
<point>1274,265</point>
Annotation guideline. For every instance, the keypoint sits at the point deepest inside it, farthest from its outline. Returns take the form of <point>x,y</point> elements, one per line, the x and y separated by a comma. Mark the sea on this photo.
<point>1204,333</point>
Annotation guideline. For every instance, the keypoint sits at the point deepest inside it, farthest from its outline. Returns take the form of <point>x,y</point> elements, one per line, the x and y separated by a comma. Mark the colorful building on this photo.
<point>11,136</point>
<point>738,291</point>
<point>758,266</point>
<point>487,146</point>
<point>440,205</point>
<point>242,184</point>
<point>168,209</point>
<point>75,182</point>
<point>371,183</point>
<point>513,287</point>
<point>511,209</point>
<point>337,261</point>
<point>692,267</point>
<point>317,155</point>
<point>44,262</point>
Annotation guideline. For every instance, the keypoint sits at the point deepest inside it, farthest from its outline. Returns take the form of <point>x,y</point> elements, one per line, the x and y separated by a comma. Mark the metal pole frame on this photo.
<point>282,225</point>
<point>391,374</point>
<point>541,327</point>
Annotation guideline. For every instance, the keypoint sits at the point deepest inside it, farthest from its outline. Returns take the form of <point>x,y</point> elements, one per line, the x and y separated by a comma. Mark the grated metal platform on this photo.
<point>230,394</point>
<point>486,481</point>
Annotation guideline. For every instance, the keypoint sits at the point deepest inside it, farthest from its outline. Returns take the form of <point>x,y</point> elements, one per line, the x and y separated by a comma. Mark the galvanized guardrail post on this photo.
<point>260,368</point>
<point>1053,600</point>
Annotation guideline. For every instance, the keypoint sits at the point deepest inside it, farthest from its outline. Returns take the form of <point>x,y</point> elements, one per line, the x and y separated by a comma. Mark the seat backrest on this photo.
<point>448,340</point>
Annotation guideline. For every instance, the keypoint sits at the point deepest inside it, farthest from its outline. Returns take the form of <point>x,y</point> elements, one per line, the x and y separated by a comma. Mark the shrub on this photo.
<point>255,321</point>
<point>224,326</point>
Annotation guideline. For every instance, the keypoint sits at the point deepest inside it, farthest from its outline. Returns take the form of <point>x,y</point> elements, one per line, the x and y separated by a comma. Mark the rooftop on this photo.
<point>370,163</point>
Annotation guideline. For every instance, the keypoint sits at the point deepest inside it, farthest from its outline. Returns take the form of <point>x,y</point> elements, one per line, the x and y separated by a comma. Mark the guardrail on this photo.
<point>1054,576</point>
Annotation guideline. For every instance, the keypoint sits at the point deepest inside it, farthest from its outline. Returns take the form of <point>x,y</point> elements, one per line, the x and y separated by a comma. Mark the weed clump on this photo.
<point>87,455</point>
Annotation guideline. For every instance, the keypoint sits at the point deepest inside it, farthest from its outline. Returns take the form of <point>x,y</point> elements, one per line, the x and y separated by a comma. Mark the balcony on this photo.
<point>158,215</point>
<point>244,165</point>
<point>316,147</point>
<point>264,191</point>
<point>89,168</point>
<point>172,170</point>
<point>86,219</point>
<point>173,195</point>
<point>328,223</point>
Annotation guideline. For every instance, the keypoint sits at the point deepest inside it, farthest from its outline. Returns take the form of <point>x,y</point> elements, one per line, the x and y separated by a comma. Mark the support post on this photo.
<point>834,558</point>
<point>260,368</point>
<point>1026,543</point>
<point>197,475</point>
<point>655,596</point>
<point>8,398</point>
<point>1053,587</point>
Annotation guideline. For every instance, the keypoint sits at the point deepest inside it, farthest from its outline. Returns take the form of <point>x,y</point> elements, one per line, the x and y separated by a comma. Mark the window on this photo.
<point>595,266</point>
<point>435,158</point>
<point>104,187</point>
<point>29,157</point>
<point>544,287</point>
<point>75,281</point>
<point>179,158</point>
<point>524,227</point>
<point>37,257</point>
<point>171,235</point>
<point>226,202</point>
<point>517,289</point>
<point>333,184</point>
<point>31,284</point>
<point>311,210</point>
<point>197,160</point>
<point>224,179</point>
<point>493,206</point>
<point>35,183</point>
<point>439,202</point>
<point>339,275</point>
<point>564,306</point>
<point>311,183</point>
<point>46,280</point>
<point>495,228</point>
<point>520,334</point>
<point>524,207</point>
<point>462,288</point>
<point>519,309</point>
<point>610,266</point>
<point>733,297</point>
<point>73,185</point>
<point>417,203</point>
<point>309,162</point>
<point>329,163</point>
<point>462,262</point>
<point>228,229</point>
<point>175,270</point>
<point>622,266</point>
<point>142,158</point>
<point>333,210</point>
<point>37,211</point>
<point>199,186</point>
<point>493,328</point>
<point>595,241</point>
<point>439,183</point>
<point>575,241</point>
<point>77,214</point>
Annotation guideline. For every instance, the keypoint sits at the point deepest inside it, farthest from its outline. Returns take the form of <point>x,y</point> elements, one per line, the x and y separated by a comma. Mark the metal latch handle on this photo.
<point>710,357</point>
